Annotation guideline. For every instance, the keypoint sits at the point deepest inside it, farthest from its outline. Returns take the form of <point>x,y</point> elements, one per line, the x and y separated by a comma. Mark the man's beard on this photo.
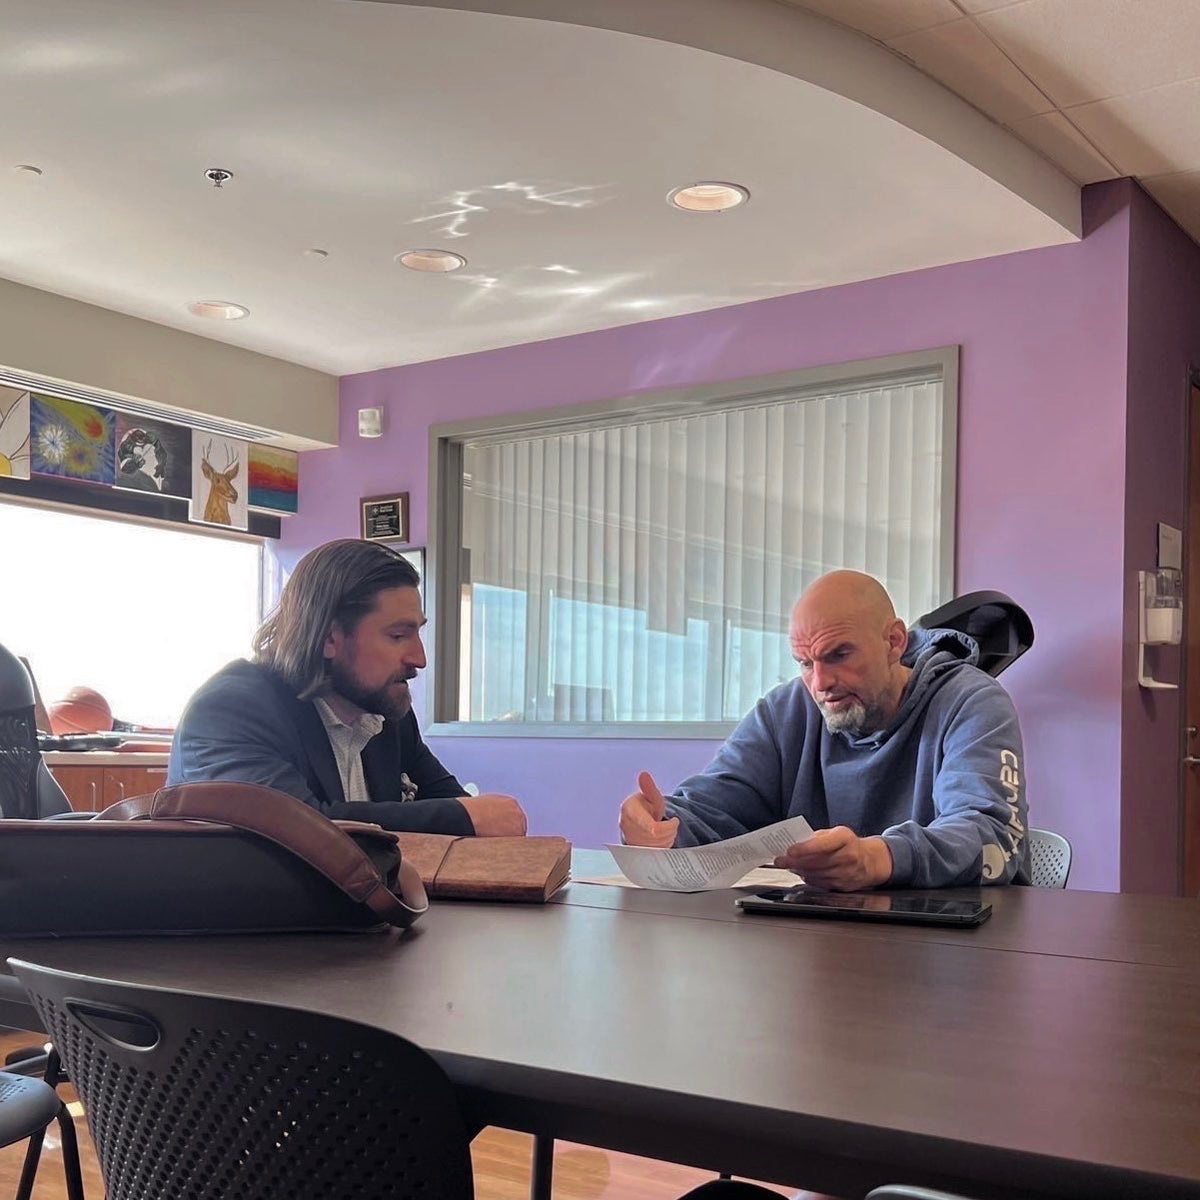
<point>382,700</point>
<point>856,719</point>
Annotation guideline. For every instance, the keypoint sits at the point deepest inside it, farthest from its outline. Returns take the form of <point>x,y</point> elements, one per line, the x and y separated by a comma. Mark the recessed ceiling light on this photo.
<point>218,310</point>
<point>709,196</point>
<point>28,168</point>
<point>431,260</point>
<point>316,252</point>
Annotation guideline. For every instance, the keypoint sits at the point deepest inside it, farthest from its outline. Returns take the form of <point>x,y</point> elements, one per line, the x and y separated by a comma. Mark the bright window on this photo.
<point>142,613</point>
<point>637,565</point>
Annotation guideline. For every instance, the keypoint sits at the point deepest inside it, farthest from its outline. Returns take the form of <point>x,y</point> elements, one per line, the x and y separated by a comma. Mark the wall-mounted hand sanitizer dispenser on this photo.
<point>1162,608</point>
<point>1160,595</point>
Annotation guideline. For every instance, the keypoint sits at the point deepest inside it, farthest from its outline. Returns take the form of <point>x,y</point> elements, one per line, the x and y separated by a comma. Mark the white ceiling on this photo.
<point>542,151</point>
<point>1104,88</point>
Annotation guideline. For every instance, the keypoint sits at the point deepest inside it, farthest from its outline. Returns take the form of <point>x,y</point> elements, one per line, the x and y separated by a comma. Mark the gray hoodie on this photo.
<point>943,782</point>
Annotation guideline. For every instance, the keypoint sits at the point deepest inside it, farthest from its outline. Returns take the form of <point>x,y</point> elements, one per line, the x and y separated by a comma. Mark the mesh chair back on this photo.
<point>195,1098</point>
<point>999,625</point>
<point>1049,858</point>
<point>19,763</point>
<point>27,789</point>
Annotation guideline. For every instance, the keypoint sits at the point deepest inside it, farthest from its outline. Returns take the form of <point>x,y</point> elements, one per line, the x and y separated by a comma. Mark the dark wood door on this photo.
<point>1191,775</point>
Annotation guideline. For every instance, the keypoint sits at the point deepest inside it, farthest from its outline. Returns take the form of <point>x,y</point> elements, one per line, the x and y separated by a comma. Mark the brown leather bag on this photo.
<point>217,857</point>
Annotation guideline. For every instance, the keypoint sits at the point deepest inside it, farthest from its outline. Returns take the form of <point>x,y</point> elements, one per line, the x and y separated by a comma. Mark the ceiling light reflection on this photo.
<point>431,261</point>
<point>709,196</point>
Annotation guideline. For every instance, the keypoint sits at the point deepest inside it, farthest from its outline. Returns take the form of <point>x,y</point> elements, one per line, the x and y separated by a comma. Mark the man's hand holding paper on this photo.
<point>839,860</point>
<point>643,817</point>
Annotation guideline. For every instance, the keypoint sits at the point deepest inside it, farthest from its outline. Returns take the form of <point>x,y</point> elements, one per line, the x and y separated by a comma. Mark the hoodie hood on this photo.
<point>931,653</point>
<point>921,642</point>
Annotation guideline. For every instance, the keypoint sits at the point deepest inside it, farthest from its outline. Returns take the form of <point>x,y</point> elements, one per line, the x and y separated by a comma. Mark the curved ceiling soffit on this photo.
<point>795,42</point>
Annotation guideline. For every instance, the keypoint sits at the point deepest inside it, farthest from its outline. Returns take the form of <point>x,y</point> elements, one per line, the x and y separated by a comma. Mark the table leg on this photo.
<point>541,1176</point>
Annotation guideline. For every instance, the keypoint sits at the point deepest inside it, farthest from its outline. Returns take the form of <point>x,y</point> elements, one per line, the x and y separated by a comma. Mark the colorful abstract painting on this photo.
<point>153,456</point>
<point>14,433</point>
<point>71,439</point>
<point>219,480</point>
<point>274,478</point>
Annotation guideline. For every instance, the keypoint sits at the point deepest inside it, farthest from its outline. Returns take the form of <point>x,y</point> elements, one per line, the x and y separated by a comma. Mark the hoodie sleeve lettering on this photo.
<point>977,835</point>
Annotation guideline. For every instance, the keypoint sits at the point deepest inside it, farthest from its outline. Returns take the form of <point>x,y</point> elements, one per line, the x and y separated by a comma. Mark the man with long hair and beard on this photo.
<point>323,711</point>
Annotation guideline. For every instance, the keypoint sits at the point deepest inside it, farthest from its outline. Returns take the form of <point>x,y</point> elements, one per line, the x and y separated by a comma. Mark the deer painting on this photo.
<point>221,492</point>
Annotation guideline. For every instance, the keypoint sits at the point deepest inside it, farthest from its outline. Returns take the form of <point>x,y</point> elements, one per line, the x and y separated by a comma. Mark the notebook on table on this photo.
<point>488,868</point>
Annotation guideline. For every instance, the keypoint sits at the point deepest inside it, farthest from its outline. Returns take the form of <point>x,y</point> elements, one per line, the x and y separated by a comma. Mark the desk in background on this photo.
<point>97,778</point>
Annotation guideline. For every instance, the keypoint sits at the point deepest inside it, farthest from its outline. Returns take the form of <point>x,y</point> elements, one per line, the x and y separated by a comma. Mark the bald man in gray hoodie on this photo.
<point>901,753</point>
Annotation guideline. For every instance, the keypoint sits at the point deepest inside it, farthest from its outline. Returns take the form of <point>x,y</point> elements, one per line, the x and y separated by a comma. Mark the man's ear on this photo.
<point>897,638</point>
<point>333,641</point>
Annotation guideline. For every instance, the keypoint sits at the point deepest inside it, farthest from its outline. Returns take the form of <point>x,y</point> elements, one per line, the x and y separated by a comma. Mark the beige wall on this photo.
<point>79,343</point>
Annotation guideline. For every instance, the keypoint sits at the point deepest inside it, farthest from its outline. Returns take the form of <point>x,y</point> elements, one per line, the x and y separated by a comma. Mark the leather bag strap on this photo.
<point>292,825</point>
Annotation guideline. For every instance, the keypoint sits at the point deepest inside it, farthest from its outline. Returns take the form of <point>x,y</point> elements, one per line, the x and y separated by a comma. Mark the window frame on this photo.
<point>445,558</point>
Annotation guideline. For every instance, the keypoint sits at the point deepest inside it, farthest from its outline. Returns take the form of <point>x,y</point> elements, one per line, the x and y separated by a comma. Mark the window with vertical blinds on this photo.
<point>642,568</point>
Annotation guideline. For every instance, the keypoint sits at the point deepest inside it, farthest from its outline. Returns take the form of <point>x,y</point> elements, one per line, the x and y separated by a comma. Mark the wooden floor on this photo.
<point>501,1161</point>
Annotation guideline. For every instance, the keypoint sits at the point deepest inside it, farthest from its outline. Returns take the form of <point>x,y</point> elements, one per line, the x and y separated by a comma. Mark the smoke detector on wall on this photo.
<point>370,422</point>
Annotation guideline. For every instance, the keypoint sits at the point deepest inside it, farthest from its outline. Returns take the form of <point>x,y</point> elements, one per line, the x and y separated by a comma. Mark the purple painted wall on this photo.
<point>1041,514</point>
<point>1164,342</point>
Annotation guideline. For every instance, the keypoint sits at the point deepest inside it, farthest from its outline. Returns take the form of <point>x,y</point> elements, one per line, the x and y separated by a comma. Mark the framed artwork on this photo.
<point>219,480</point>
<point>14,433</point>
<point>273,479</point>
<point>153,456</point>
<point>385,518</point>
<point>72,440</point>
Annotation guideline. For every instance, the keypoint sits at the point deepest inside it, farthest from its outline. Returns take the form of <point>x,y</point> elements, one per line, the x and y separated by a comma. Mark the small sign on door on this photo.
<point>1170,547</point>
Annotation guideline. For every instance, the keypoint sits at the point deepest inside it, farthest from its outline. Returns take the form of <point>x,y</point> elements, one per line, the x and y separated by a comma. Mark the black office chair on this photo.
<point>1004,632</point>
<point>28,1107</point>
<point>27,789</point>
<point>189,1095</point>
<point>999,625</point>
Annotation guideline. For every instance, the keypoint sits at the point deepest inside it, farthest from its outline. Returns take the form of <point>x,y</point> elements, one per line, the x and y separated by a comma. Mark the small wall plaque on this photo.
<point>385,518</point>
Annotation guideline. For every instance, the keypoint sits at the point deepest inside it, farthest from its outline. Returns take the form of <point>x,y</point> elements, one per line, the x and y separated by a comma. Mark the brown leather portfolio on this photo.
<point>488,868</point>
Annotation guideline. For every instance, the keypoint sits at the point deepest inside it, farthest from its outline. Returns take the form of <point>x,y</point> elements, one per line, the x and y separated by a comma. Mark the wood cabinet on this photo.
<point>102,779</point>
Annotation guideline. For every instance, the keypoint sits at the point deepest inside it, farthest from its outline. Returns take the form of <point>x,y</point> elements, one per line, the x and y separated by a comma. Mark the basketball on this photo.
<point>81,710</point>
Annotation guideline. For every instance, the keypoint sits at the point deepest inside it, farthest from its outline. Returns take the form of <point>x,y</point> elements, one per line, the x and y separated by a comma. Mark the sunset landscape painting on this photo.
<point>274,478</point>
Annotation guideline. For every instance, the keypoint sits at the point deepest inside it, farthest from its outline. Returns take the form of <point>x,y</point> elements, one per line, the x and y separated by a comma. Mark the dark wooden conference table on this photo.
<point>1052,1052</point>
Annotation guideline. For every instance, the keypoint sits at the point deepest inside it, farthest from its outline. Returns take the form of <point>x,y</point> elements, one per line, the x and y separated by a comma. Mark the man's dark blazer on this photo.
<point>246,724</point>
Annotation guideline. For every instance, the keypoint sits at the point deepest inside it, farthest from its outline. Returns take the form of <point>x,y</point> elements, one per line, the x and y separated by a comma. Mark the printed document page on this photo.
<point>756,877</point>
<point>706,868</point>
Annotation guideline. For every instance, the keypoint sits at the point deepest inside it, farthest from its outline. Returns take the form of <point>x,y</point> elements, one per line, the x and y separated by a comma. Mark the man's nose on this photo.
<point>416,655</point>
<point>822,677</point>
